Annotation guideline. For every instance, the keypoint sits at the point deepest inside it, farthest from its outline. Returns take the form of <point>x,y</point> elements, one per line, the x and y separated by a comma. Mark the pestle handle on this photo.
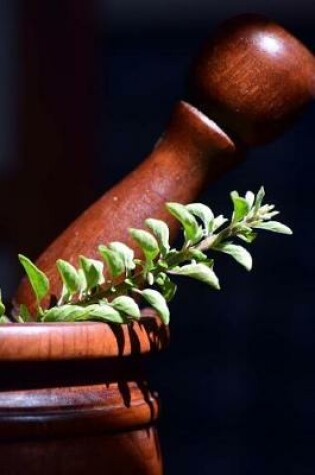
<point>248,84</point>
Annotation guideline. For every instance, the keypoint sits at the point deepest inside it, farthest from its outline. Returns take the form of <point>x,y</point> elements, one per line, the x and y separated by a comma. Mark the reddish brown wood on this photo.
<point>130,453</point>
<point>177,170</point>
<point>74,399</point>
<point>67,405</point>
<point>86,409</point>
<point>252,78</point>
<point>69,341</point>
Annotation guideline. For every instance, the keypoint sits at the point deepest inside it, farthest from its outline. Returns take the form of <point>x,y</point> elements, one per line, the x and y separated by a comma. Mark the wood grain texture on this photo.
<point>79,410</point>
<point>192,151</point>
<point>131,453</point>
<point>74,399</point>
<point>68,341</point>
<point>76,416</point>
<point>253,78</point>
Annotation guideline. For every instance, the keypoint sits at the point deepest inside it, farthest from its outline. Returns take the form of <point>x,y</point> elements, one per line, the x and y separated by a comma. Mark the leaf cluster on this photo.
<point>87,295</point>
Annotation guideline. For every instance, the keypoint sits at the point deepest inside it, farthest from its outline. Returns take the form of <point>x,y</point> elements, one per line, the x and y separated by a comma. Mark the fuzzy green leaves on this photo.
<point>64,313</point>
<point>71,279</point>
<point>241,207</point>
<point>204,213</point>
<point>192,230</point>
<point>120,310</point>
<point>259,199</point>
<point>274,226</point>
<point>168,288</point>
<point>161,233</point>
<point>119,258</point>
<point>2,306</point>
<point>25,315</point>
<point>126,253</point>
<point>38,280</point>
<point>245,233</point>
<point>199,272</point>
<point>77,313</point>
<point>158,302</point>
<point>86,296</point>
<point>104,313</point>
<point>114,260</point>
<point>127,306</point>
<point>146,242</point>
<point>218,222</point>
<point>93,272</point>
<point>239,253</point>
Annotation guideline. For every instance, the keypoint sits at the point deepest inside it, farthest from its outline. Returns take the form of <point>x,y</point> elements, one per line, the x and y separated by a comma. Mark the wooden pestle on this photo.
<point>248,84</point>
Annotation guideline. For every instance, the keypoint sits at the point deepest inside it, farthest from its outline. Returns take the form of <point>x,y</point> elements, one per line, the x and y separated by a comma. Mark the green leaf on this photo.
<point>274,226</point>
<point>241,207</point>
<point>168,287</point>
<point>266,210</point>
<point>114,260</point>
<point>2,306</point>
<point>70,277</point>
<point>24,313</point>
<point>196,254</point>
<point>93,272</point>
<point>161,263</point>
<point>192,230</point>
<point>71,313</point>
<point>202,212</point>
<point>126,253</point>
<point>158,302</point>
<point>83,284</point>
<point>267,216</point>
<point>104,312</point>
<point>146,241</point>
<point>199,272</point>
<point>259,198</point>
<point>161,231</point>
<point>250,198</point>
<point>218,222</point>
<point>64,313</point>
<point>246,234</point>
<point>4,320</point>
<point>38,280</point>
<point>130,282</point>
<point>127,305</point>
<point>239,253</point>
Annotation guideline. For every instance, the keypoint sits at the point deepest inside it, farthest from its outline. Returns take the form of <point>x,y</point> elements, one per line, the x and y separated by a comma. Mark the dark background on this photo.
<point>238,381</point>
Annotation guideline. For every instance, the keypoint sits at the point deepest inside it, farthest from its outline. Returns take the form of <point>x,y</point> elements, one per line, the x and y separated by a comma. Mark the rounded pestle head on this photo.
<point>253,78</point>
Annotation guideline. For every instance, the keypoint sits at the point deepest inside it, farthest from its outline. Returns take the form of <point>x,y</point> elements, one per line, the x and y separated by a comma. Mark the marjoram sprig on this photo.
<point>88,296</point>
